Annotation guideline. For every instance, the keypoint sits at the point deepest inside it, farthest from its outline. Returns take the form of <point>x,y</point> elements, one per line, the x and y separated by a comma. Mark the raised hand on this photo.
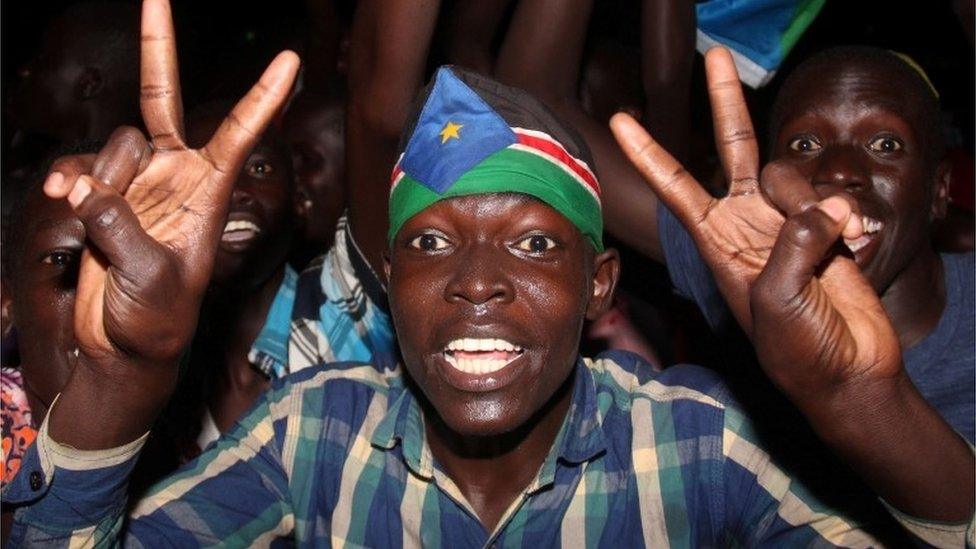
<point>736,233</point>
<point>153,213</point>
<point>818,325</point>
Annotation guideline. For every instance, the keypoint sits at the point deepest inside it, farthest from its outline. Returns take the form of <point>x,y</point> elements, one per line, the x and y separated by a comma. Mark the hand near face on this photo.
<point>734,234</point>
<point>818,325</point>
<point>154,213</point>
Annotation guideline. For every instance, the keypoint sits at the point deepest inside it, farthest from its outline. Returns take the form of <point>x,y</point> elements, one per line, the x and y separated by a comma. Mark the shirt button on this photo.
<point>35,480</point>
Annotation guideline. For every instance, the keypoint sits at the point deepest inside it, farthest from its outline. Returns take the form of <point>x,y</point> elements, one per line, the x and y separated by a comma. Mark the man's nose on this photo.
<point>479,278</point>
<point>241,197</point>
<point>841,169</point>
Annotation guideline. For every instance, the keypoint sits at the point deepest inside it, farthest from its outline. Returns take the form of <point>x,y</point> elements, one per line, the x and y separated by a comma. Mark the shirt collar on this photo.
<point>269,352</point>
<point>580,438</point>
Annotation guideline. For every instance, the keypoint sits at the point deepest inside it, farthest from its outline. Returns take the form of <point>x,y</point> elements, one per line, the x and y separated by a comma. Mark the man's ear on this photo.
<point>606,273</point>
<point>940,192</point>
<point>90,83</point>
<point>6,309</point>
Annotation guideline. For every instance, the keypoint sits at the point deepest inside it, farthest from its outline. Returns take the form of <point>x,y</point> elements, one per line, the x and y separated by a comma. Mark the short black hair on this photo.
<point>19,194</point>
<point>915,87</point>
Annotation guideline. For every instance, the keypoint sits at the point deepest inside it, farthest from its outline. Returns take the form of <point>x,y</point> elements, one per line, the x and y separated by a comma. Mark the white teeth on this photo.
<point>75,352</point>
<point>857,244</point>
<point>473,345</point>
<point>241,225</point>
<point>871,225</point>
<point>476,366</point>
<point>479,366</point>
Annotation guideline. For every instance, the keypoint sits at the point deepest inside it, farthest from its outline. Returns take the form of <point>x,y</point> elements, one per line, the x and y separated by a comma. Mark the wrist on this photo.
<point>858,406</point>
<point>108,402</point>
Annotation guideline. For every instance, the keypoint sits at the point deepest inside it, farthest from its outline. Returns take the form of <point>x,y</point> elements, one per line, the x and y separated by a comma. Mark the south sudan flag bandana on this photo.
<point>474,135</point>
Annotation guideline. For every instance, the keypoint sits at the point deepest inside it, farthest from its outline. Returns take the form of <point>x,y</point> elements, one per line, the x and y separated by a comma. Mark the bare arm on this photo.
<point>841,363</point>
<point>390,41</point>
<point>154,218</point>
<point>545,61</point>
<point>667,55</point>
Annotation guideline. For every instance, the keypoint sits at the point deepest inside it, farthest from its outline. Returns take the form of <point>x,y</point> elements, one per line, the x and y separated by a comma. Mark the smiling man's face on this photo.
<point>855,129</point>
<point>261,217</point>
<point>488,295</point>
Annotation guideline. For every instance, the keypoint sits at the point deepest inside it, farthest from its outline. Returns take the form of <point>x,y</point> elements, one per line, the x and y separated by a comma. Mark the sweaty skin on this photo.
<point>856,394</point>
<point>858,133</point>
<point>470,271</point>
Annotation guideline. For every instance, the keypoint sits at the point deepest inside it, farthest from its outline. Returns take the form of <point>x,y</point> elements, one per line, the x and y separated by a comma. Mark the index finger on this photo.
<point>159,97</point>
<point>734,135</point>
<point>669,180</point>
<point>242,128</point>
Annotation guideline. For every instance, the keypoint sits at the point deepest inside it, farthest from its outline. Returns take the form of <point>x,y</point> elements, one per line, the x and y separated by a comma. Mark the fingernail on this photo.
<point>836,208</point>
<point>79,193</point>
<point>54,184</point>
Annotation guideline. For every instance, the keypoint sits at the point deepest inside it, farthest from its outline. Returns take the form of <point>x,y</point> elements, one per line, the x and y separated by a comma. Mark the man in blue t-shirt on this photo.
<point>879,144</point>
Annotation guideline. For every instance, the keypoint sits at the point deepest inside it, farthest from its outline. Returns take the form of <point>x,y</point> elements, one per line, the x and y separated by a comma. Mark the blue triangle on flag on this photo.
<point>456,130</point>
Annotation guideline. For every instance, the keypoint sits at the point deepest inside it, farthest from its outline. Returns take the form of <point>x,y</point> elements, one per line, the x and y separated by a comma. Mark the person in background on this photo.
<point>314,126</point>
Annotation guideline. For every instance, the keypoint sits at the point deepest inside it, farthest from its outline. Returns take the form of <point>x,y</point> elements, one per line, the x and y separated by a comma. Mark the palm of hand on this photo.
<point>139,290</point>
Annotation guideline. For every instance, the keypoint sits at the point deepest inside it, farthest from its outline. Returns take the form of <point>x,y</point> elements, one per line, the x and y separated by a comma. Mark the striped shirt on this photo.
<point>341,312</point>
<point>337,456</point>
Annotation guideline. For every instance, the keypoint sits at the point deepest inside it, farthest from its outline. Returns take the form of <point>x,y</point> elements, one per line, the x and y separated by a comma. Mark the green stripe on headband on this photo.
<point>507,171</point>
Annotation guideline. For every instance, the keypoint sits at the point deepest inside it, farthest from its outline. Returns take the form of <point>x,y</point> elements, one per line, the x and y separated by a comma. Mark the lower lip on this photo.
<point>480,383</point>
<point>237,239</point>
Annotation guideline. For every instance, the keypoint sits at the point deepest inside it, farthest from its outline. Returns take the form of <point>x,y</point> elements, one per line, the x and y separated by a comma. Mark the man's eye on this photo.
<point>60,258</point>
<point>429,242</point>
<point>260,168</point>
<point>536,244</point>
<point>804,144</point>
<point>885,145</point>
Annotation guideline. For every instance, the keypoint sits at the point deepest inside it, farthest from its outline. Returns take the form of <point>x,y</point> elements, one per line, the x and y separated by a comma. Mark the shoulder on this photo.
<point>960,269</point>
<point>633,376</point>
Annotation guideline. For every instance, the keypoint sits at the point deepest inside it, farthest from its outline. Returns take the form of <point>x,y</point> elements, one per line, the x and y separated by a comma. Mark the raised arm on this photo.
<point>840,362</point>
<point>841,365</point>
<point>390,41</point>
<point>545,61</point>
<point>667,56</point>
<point>153,213</point>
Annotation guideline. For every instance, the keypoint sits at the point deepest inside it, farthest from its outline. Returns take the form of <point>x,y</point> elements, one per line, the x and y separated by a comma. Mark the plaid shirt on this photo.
<point>337,456</point>
<point>341,312</point>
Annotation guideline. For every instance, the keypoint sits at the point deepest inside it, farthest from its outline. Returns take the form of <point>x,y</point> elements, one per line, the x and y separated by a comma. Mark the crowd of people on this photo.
<point>440,278</point>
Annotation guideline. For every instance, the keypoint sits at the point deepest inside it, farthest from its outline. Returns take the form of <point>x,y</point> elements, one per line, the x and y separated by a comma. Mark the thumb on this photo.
<point>803,242</point>
<point>112,227</point>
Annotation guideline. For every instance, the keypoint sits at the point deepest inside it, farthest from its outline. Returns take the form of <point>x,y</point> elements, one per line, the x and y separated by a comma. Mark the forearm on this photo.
<point>544,47</point>
<point>667,56</point>
<point>901,447</point>
<point>388,52</point>
<point>546,63</point>
<point>473,28</point>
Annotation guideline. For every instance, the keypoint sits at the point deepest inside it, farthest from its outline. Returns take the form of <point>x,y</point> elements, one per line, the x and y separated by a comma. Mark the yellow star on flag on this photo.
<point>450,131</point>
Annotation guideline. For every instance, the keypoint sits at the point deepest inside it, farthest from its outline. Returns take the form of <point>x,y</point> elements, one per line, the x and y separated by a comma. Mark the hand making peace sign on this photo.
<point>777,273</point>
<point>153,214</point>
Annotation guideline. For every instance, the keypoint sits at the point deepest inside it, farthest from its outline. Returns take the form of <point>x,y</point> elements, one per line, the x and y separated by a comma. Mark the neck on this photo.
<point>915,300</point>
<point>492,471</point>
<point>240,319</point>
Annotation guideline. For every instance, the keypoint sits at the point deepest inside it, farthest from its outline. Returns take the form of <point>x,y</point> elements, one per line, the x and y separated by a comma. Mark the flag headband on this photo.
<point>460,146</point>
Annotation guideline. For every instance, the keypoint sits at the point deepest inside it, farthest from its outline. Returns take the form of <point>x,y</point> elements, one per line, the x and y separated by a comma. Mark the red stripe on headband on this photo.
<point>555,150</point>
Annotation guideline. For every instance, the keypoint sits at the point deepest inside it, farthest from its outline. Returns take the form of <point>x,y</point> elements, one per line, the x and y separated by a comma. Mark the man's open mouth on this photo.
<point>240,230</point>
<point>871,229</point>
<point>480,356</point>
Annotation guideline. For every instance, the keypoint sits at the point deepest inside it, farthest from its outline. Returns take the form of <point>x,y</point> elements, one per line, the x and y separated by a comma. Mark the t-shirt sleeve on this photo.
<point>691,277</point>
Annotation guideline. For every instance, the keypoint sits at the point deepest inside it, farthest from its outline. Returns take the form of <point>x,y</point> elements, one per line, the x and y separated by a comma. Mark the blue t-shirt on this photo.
<point>942,366</point>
